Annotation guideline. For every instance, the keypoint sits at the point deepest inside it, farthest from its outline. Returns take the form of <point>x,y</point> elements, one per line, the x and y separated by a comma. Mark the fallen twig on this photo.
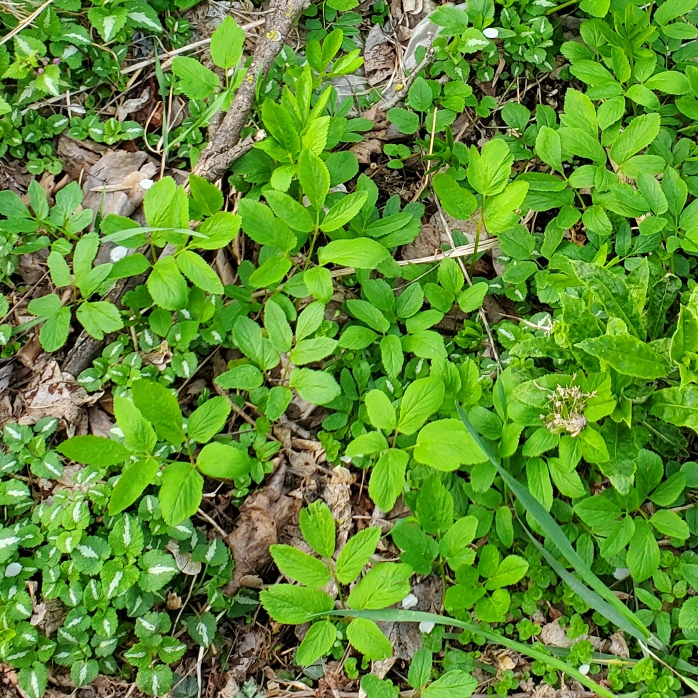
<point>224,149</point>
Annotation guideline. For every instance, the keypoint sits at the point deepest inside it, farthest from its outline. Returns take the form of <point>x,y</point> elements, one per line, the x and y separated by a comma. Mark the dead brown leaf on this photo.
<point>262,516</point>
<point>379,56</point>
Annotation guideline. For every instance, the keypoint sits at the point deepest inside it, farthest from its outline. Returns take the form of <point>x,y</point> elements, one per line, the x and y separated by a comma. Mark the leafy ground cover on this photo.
<point>348,349</point>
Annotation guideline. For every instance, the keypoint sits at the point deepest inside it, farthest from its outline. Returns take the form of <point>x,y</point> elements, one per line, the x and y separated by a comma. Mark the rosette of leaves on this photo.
<point>383,585</point>
<point>152,416</point>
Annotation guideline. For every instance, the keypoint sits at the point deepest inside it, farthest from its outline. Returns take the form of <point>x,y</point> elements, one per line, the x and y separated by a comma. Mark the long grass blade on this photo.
<point>398,616</point>
<point>601,598</point>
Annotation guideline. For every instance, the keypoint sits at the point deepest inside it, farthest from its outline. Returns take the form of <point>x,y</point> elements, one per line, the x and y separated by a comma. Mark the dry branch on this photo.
<point>224,148</point>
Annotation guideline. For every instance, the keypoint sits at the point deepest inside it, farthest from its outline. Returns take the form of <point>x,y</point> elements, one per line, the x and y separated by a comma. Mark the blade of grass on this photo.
<point>398,616</point>
<point>603,600</point>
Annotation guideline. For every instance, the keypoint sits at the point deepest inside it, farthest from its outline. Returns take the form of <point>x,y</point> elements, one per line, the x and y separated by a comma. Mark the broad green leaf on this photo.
<point>54,331</point>
<point>227,44</point>
<point>643,552</point>
<point>453,684</point>
<point>387,583</point>
<point>300,566</point>
<point>99,318</point>
<point>685,338</point>
<point>639,133</point>
<point>277,327</point>
<point>317,387</point>
<point>420,668</point>
<point>223,462</point>
<point>367,639</point>
<point>510,571</point>
<point>549,147</point>
<point>199,272</point>
<point>290,211</point>
<point>314,177</point>
<point>160,407</point>
<point>139,435</point>
<point>279,125</point>
<point>367,444</point>
<point>195,79</point>
<point>392,356</point>
<point>489,172</point>
<point>133,481</point>
<point>259,222</point>
<point>421,399</point>
<point>380,410</point>
<point>446,445</point>
<point>356,553</point>
<point>388,478</point>
<point>167,286</point>
<point>209,419</point>
<point>670,524</point>
<point>456,201</point>
<point>94,450</point>
<point>312,350</point>
<point>678,406</point>
<point>471,298</point>
<point>360,253</point>
<point>318,529</point>
<point>33,680</point>
<point>180,492</point>
<point>292,604</point>
<point>343,211</point>
<point>628,355</point>
<point>318,641</point>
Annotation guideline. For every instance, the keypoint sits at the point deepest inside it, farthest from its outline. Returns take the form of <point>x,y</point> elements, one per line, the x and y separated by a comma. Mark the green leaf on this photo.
<point>133,480</point>
<point>139,435</point>
<point>371,685</point>
<point>582,144</point>
<point>595,8</point>
<point>33,680</point>
<point>453,684</point>
<point>45,306</point>
<point>343,211</point>
<point>471,298</point>
<point>318,641</point>
<point>319,283</point>
<point>685,338</point>
<point>643,552</point>
<point>207,197</point>
<point>613,294</point>
<point>195,79</point>
<point>54,331</point>
<point>202,629</point>
<point>385,584</point>
<point>318,529</point>
<point>367,444</point>
<point>489,172</point>
<point>84,672</point>
<point>392,357</point>
<point>209,419</point>
<point>279,125</point>
<point>420,96</point>
<point>421,399</point>
<point>94,450</point>
<point>180,492</point>
<point>155,681</point>
<point>263,227</point>
<point>356,553</point>
<point>223,462</point>
<point>294,605</point>
<point>160,407</point>
<point>314,177</point>
<point>317,387</point>
<point>446,445</point>
<point>549,147</point>
<point>688,616</point>
<point>99,318</point>
<point>199,272</point>
<point>670,524</point>
<point>420,669</point>
<point>510,571</point>
<point>627,355</point>
<point>290,211</point>
<point>456,201</point>
<point>388,478</point>
<point>277,327</point>
<point>167,286</point>
<point>311,350</point>
<point>502,211</point>
<point>640,132</point>
<point>672,9</point>
<point>405,120</point>
<point>60,271</point>
<point>360,253</point>
<point>158,568</point>
<point>380,410</point>
<point>300,566</point>
<point>227,43</point>
<point>366,638</point>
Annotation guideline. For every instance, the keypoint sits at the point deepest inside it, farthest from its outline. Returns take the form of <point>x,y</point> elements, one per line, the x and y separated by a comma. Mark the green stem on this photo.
<point>478,231</point>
